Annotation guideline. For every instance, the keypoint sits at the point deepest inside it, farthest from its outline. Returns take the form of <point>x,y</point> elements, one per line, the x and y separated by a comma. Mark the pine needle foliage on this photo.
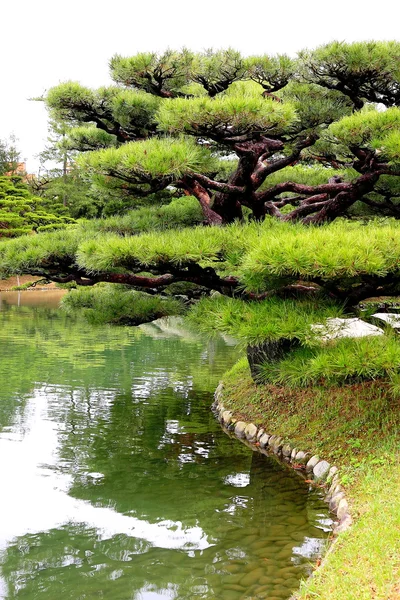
<point>338,252</point>
<point>368,129</point>
<point>143,162</point>
<point>339,362</point>
<point>271,72</point>
<point>132,106</point>
<point>64,97</point>
<point>118,111</point>
<point>151,71</point>
<point>22,213</point>
<point>216,70</point>
<point>28,253</point>
<point>68,96</point>
<point>262,256</point>
<point>118,305</point>
<point>315,105</point>
<point>233,115</point>
<point>89,138</point>
<point>306,175</point>
<point>390,148</point>
<point>181,212</point>
<point>254,322</point>
<point>150,250</point>
<point>362,70</point>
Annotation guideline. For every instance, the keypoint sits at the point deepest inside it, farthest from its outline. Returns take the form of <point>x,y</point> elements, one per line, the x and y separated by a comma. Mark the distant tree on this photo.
<point>172,117</point>
<point>55,159</point>
<point>22,213</point>
<point>68,194</point>
<point>67,190</point>
<point>9,155</point>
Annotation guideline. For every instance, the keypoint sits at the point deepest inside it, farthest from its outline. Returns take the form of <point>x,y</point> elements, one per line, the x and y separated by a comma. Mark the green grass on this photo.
<point>357,428</point>
<point>365,565</point>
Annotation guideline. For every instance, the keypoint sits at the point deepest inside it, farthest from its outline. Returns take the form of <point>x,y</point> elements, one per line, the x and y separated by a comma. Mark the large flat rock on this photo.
<point>392,319</point>
<point>336,328</point>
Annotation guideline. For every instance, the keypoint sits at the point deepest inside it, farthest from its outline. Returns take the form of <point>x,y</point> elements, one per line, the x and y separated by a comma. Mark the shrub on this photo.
<point>119,305</point>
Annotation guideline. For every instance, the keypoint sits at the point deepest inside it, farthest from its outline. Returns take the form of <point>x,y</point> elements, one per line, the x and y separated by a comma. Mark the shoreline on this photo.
<point>9,284</point>
<point>317,470</point>
<point>363,561</point>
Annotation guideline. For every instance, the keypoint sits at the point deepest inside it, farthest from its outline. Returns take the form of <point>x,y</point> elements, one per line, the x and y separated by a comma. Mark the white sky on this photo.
<point>44,42</point>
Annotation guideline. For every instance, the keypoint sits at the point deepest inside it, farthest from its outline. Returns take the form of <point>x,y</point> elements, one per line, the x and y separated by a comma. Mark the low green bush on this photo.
<point>255,322</point>
<point>22,287</point>
<point>23,213</point>
<point>338,362</point>
<point>119,305</point>
<point>181,212</point>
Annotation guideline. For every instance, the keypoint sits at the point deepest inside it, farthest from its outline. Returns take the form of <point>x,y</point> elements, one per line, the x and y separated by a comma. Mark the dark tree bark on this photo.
<point>267,352</point>
<point>196,189</point>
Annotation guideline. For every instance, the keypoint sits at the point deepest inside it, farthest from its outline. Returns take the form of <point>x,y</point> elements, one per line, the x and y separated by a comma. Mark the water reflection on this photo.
<point>118,483</point>
<point>48,298</point>
<point>34,459</point>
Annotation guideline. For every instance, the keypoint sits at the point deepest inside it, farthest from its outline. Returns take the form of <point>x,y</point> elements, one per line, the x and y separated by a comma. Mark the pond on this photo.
<point>117,482</point>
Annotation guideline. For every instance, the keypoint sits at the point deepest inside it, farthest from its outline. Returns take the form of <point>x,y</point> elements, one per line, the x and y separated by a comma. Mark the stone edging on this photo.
<point>315,468</point>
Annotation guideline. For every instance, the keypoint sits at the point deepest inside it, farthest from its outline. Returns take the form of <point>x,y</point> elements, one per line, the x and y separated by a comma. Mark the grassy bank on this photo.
<point>357,428</point>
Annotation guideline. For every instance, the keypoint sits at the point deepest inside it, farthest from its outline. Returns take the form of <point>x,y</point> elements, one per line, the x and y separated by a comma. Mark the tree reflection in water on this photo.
<point>118,482</point>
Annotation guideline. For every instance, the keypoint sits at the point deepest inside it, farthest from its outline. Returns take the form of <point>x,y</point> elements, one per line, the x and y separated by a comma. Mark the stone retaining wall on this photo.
<point>312,466</point>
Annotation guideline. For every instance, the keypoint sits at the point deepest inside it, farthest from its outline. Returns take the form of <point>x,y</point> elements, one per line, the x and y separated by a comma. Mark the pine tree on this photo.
<point>22,213</point>
<point>178,118</point>
<point>9,155</point>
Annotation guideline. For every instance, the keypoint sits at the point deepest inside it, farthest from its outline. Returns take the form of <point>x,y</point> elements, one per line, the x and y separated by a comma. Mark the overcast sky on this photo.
<point>44,42</point>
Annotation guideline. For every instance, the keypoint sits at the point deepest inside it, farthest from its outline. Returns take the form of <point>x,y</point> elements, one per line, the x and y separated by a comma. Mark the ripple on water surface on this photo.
<point>118,483</point>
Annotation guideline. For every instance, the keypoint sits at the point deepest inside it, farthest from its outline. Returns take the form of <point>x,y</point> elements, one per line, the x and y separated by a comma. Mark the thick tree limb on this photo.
<point>197,190</point>
<point>218,186</point>
<point>205,277</point>
<point>386,204</point>
<point>308,206</point>
<point>263,170</point>
<point>299,188</point>
<point>342,201</point>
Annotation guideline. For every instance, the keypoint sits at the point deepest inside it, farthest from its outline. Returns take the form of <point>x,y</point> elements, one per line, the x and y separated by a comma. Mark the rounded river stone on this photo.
<point>286,450</point>
<point>260,433</point>
<point>321,470</point>
<point>311,463</point>
<point>252,577</point>
<point>276,444</point>
<point>264,439</point>
<point>342,508</point>
<point>240,426</point>
<point>302,457</point>
<point>250,432</point>
<point>334,501</point>
<point>226,417</point>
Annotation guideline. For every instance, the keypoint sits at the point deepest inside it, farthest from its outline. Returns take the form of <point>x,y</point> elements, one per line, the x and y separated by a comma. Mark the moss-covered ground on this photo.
<point>357,428</point>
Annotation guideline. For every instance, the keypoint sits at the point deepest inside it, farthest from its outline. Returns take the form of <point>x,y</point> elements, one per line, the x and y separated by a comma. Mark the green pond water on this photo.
<point>116,482</point>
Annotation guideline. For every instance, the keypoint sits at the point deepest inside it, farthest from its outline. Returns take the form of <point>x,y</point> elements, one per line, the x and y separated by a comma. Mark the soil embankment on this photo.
<point>356,427</point>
